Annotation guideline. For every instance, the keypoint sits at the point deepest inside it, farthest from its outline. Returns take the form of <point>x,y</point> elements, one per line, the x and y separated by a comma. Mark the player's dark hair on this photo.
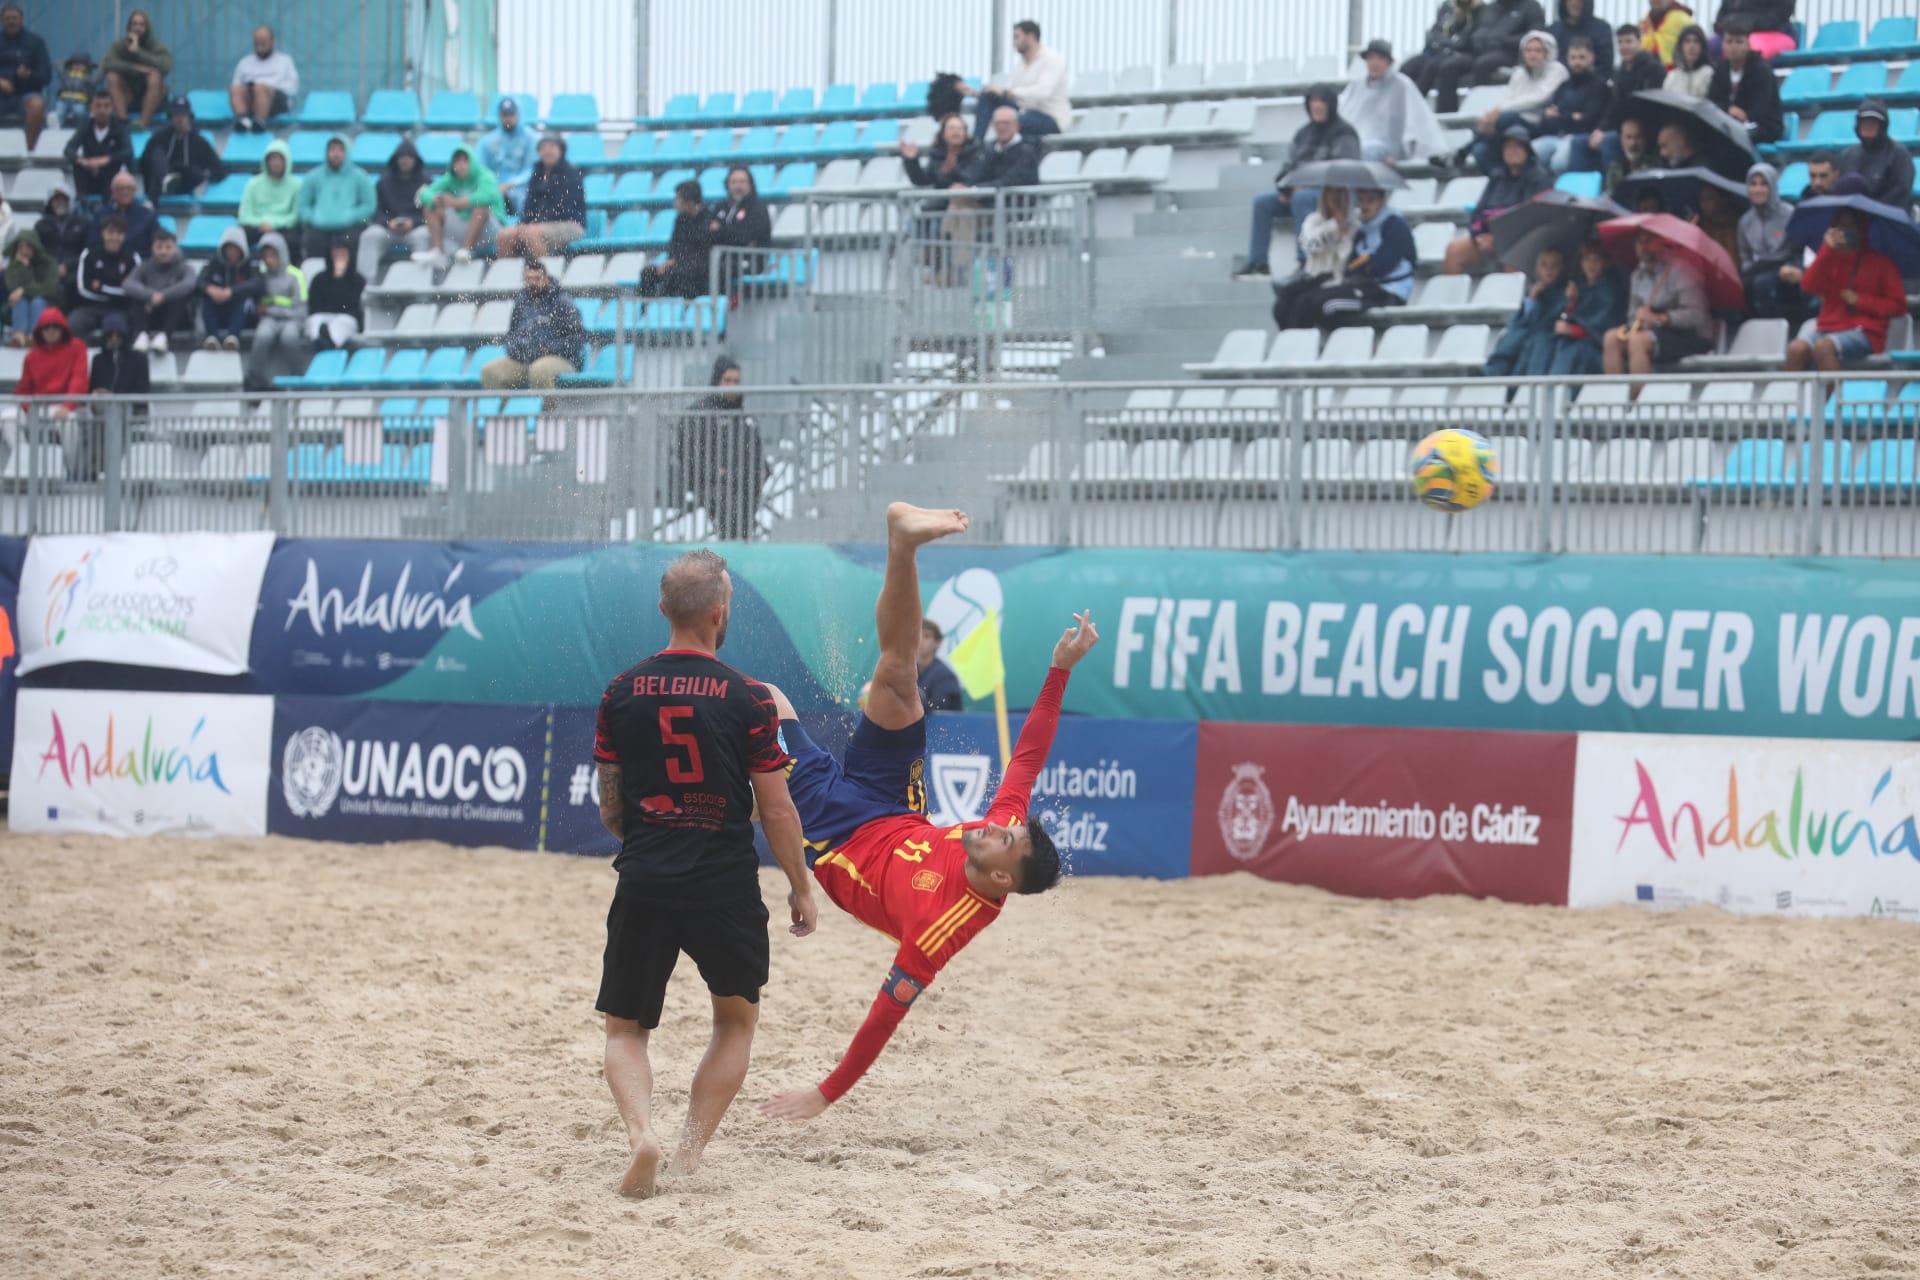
<point>692,585</point>
<point>932,628</point>
<point>1029,26</point>
<point>1040,869</point>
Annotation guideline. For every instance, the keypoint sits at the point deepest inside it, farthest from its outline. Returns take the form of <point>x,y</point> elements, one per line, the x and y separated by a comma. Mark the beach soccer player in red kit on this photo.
<point>931,889</point>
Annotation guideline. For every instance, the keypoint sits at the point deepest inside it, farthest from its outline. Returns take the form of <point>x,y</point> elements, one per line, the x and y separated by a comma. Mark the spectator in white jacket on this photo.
<point>1036,87</point>
<point>1530,90</point>
<point>1692,72</point>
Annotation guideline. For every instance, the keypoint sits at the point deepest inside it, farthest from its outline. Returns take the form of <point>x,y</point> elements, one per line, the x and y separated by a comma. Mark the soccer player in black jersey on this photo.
<point>686,745</point>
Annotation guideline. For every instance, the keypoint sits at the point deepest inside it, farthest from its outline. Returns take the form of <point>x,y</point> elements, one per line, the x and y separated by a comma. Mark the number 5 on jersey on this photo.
<point>678,770</point>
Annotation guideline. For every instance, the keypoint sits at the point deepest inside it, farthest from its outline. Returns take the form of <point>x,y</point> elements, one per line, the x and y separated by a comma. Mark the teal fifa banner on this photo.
<point>1649,644</point>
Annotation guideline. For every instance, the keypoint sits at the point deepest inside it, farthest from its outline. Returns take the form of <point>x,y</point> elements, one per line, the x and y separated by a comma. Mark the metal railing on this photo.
<point>1755,464</point>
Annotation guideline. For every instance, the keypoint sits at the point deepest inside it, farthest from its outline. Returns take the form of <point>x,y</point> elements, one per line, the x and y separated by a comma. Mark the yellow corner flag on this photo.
<point>977,661</point>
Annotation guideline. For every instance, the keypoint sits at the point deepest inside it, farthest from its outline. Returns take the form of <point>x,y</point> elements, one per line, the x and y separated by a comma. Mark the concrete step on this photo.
<point>1199,224</point>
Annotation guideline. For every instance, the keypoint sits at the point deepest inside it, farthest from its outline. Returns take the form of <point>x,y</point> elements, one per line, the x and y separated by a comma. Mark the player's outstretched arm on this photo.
<point>897,995</point>
<point>1036,735</point>
<point>773,807</point>
<point>1075,641</point>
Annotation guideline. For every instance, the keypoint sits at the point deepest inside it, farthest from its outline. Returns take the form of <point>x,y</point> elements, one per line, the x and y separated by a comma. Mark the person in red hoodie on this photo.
<point>56,363</point>
<point>1859,290</point>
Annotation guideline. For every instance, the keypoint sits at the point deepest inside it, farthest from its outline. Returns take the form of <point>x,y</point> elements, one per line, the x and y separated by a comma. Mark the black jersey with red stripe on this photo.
<point>688,732</point>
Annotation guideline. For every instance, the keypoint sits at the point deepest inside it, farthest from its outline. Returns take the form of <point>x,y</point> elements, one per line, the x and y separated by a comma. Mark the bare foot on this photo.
<point>639,1180</point>
<point>686,1163</point>
<point>916,525</point>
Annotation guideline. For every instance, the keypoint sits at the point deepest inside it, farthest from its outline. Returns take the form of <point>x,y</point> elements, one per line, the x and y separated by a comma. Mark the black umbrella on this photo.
<point>1720,141</point>
<point>1358,174</point>
<point>1551,220</point>
<point>1679,189</point>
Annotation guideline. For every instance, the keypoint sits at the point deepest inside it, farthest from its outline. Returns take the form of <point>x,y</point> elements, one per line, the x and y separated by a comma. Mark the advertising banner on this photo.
<point>370,772</point>
<point>181,600</point>
<point>1749,824</point>
<point>140,764</point>
<point>571,820</point>
<point>13,555</point>
<point>1387,814</point>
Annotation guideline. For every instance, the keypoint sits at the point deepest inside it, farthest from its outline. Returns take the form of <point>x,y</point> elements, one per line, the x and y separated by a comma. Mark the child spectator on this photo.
<point>160,294</point>
<point>1744,87</point>
<point>102,278</point>
<point>1525,349</point>
<point>1595,304</point>
<point>33,285</point>
<point>119,370</point>
<point>79,81</point>
<point>225,290</point>
<point>279,292</point>
<point>1530,92</point>
<point>56,363</point>
<point>1691,74</point>
<point>334,315</point>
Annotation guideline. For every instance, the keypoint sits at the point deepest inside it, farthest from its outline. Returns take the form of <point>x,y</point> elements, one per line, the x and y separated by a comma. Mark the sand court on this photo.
<point>270,1057</point>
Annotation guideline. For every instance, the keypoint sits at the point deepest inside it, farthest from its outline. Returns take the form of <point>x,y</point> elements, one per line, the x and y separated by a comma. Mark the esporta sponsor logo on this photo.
<point>146,756</point>
<point>1678,819</point>
<point>153,605</point>
<point>319,769</point>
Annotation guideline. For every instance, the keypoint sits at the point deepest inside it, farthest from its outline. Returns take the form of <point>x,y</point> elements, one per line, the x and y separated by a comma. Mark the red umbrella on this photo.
<point>1688,244</point>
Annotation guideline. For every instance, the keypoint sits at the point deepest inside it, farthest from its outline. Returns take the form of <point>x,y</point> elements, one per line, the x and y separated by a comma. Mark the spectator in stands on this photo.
<point>1769,24</point>
<point>1529,93</point>
<point>1632,154</point>
<point>6,222</point>
<point>718,456</point>
<point>79,81</point>
<point>1595,304</point>
<point>1498,30</point>
<point>26,69</point>
<point>265,83</point>
<point>1719,216</point>
<point>101,284</point>
<point>1447,59</point>
<point>683,272</point>
<point>98,150</point>
<point>119,369</point>
<point>137,65</point>
<point>1389,112</point>
<point>33,285</point>
<point>56,364</point>
<point>124,202</point>
<point>1764,247</point>
<point>1380,272</point>
<point>939,686</point>
<point>1676,147</point>
<point>1010,158</point>
<point>1886,166</point>
<point>545,337</point>
<point>742,222</point>
<point>225,292</point>
<point>1660,29</point>
<point>1668,318</point>
<point>1691,74</point>
<point>1859,290</point>
<point>949,165</point>
<point>1322,247</point>
<point>396,210</point>
<point>1525,349</point>
<point>1519,179</point>
<point>1036,88</point>
<point>334,314</point>
<point>270,204</point>
<point>336,199</point>
<point>1744,87</point>
<point>1822,175</point>
<point>554,212</point>
<point>1634,71</point>
<point>178,160</point>
<point>462,204</point>
<point>1325,136</point>
<point>63,229</point>
<point>1578,105</point>
<point>160,294</point>
<point>509,151</point>
<point>1576,18</point>
<point>278,292</point>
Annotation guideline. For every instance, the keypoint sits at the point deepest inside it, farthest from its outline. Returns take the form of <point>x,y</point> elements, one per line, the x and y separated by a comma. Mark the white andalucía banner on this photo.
<point>140,764</point>
<point>180,600</point>
<point>1778,825</point>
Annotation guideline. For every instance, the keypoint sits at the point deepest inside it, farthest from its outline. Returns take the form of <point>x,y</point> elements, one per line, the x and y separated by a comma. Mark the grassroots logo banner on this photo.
<point>140,764</point>
<point>183,601</point>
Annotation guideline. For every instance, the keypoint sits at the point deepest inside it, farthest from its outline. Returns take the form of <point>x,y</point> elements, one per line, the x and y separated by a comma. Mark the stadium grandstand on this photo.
<point>1085,341</point>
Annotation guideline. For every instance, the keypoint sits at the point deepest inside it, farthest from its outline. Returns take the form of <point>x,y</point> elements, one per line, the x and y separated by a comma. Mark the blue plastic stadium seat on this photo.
<point>799,140</point>
<point>326,109</point>
<point>1793,181</point>
<point>794,178</point>
<point>596,223</point>
<point>446,366</point>
<point>880,133</point>
<point>1890,464</point>
<point>1895,35</point>
<point>599,189</point>
<point>839,99</point>
<point>713,183</point>
<point>573,111</point>
<point>406,369</point>
<point>363,369</point>
<point>481,358</point>
<point>718,106</point>
<point>203,234</point>
<point>884,96</point>
<point>1861,80</point>
<point>210,107</point>
<point>792,268</point>
<point>840,137</point>
<point>632,189</point>
<point>391,109</point>
<point>707,315</point>
<point>762,177</point>
<point>795,102</point>
<point>627,231</point>
<point>307,149</point>
<point>586,150</point>
<point>453,109</point>
<point>436,149</point>
<point>1831,129</point>
<point>1579,184</point>
<point>1805,85</point>
<point>245,150</point>
<point>1907,87</point>
<point>1752,464</point>
<point>324,370</point>
<point>638,149</point>
<point>659,231</point>
<point>761,142</point>
<point>529,104</point>
<point>1836,37</point>
<point>673,149</point>
<point>1903,125</point>
<point>715,146</point>
<point>662,192</point>
<point>913,98</point>
<point>665,315</point>
<point>681,107</point>
<point>603,369</point>
<point>757,105</point>
<point>373,150</point>
<point>226,193</point>
<point>590,312</point>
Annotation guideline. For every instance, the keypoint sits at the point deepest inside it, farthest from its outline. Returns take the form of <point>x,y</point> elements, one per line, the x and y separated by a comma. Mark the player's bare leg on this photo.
<point>719,1077</point>
<point>894,702</point>
<point>630,1077</point>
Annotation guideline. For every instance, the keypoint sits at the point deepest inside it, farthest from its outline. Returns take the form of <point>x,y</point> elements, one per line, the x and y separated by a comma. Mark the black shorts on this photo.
<point>277,106</point>
<point>646,935</point>
<point>1677,344</point>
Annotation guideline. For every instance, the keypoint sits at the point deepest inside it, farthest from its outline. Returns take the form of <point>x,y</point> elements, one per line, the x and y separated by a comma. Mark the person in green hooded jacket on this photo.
<point>462,204</point>
<point>336,199</point>
<point>137,67</point>
<point>271,201</point>
<point>33,285</point>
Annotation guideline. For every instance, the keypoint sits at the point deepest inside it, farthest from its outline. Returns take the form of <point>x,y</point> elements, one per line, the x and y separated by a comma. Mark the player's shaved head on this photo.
<point>693,586</point>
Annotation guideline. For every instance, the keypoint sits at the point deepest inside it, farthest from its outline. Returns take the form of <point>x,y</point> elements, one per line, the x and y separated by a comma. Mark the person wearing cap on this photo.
<point>510,151</point>
<point>264,84</point>
<point>554,213</point>
<point>1519,179</point>
<point>1530,90</point>
<point>1389,112</point>
<point>124,202</point>
<point>336,198</point>
<point>26,71</point>
<point>1885,165</point>
<point>179,159</point>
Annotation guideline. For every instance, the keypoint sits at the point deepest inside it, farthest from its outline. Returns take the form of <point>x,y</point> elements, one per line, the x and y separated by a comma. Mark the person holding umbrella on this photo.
<point>1325,136</point>
<point>1519,180</point>
<point>1885,164</point>
<point>1667,314</point>
<point>1595,304</point>
<point>1859,290</point>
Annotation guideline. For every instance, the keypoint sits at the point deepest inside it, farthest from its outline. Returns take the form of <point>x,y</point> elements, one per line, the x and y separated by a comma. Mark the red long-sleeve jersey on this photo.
<point>907,878</point>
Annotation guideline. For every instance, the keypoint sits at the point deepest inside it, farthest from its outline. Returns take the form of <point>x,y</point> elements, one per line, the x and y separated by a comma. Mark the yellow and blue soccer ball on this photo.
<point>1455,470</point>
